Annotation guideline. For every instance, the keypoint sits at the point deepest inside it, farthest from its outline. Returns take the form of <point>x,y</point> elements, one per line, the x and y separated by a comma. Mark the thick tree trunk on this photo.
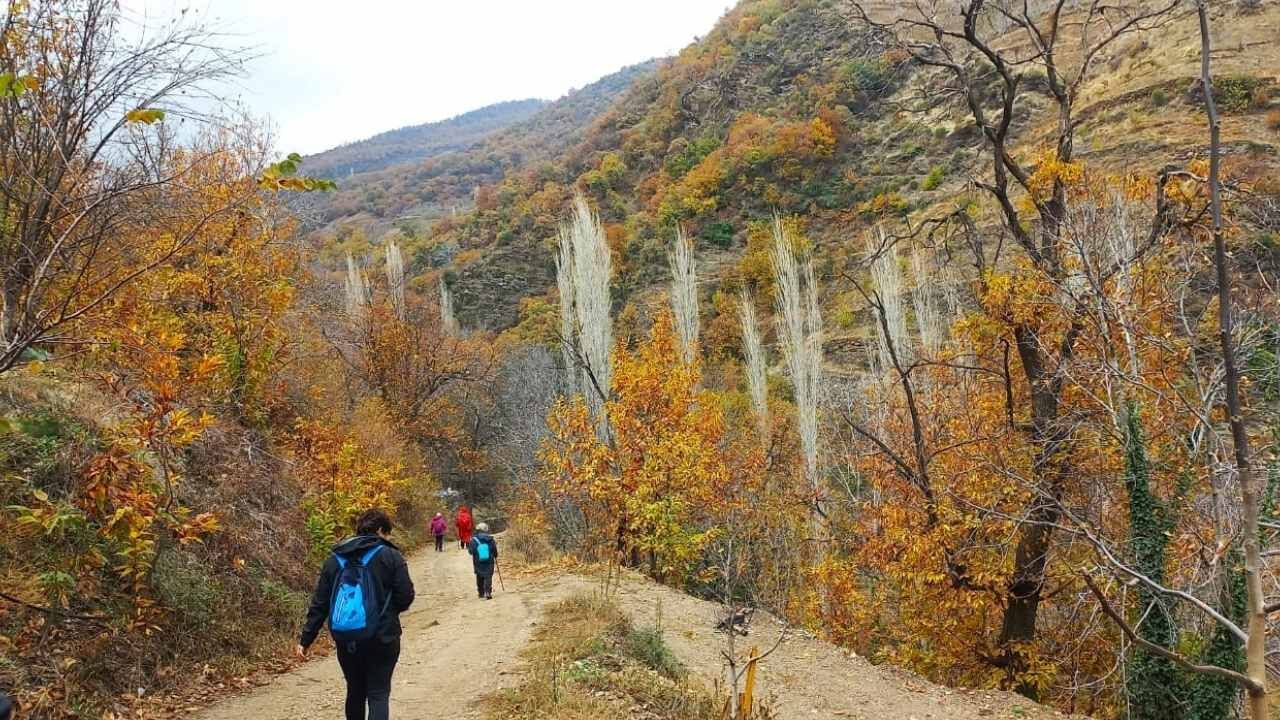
<point>1022,600</point>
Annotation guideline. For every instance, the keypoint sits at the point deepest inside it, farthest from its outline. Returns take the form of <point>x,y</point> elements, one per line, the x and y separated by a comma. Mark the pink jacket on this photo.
<point>438,525</point>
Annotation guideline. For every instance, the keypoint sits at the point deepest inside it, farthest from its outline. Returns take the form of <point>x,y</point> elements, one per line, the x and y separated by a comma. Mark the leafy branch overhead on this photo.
<point>283,175</point>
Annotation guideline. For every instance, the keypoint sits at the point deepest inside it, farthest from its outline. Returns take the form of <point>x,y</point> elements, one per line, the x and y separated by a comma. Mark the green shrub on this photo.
<point>684,158</point>
<point>1235,93</point>
<point>718,234</point>
<point>182,585</point>
<point>1036,79</point>
<point>868,79</point>
<point>649,647</point>
<point>285,602</point>
<point>1159,98</point>
<point>322,530</point>
<point>934,178</point>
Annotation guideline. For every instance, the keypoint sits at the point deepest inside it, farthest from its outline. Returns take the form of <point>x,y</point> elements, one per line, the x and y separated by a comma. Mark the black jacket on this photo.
<point>392,573</point>
<point>483,567</point>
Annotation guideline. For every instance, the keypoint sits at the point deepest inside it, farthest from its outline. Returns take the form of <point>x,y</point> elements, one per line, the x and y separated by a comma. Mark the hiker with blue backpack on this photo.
<point>363,588</point>
<point>484,557</point>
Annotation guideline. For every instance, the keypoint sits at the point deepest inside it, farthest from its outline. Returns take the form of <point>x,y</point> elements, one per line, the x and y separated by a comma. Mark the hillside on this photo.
<point>439,184</point>
<point>418,142</point>
<point>792,107</point>
<point>957,351</point>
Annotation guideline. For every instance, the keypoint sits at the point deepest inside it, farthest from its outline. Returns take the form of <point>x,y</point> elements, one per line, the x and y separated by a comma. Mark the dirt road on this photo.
<point>456,649</point>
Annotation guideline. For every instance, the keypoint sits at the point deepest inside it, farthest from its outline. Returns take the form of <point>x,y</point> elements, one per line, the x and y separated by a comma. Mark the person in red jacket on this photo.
<point>465,525</point>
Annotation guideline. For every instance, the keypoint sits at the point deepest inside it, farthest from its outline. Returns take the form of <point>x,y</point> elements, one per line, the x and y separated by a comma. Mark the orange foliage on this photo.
<point>652,487</point>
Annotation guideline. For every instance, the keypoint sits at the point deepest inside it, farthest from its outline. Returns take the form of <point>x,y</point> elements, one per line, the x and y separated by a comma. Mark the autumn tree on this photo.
<point>408,358</point>
<point>652,489</point>
<point>800,331</point>
<point>1033,201</point>
<point>87,153</point>
<point>591,342</point>
<point>684,294</point>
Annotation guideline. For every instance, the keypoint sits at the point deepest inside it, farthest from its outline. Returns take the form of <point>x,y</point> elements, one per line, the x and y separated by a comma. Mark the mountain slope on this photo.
<point>791,107</point>
<point>435,185</point>
<point>417,142</point>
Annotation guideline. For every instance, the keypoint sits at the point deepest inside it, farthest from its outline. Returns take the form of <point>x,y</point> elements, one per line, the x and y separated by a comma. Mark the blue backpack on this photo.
<point>354,608</point>
<point>482,550</point>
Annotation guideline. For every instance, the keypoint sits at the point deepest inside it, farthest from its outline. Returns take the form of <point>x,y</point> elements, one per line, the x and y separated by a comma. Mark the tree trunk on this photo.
<point>1022,600</point>
<point>1255,646</point>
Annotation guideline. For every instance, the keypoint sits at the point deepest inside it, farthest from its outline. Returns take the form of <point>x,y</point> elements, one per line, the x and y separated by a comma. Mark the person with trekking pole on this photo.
<point>484,558</point>
<point>363,588</point>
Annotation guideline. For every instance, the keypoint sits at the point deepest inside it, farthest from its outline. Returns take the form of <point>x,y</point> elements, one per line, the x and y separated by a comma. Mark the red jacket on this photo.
<point>464,524</point>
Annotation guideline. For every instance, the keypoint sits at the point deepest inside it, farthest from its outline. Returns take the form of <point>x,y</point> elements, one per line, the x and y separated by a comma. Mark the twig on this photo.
<point>90,619</point>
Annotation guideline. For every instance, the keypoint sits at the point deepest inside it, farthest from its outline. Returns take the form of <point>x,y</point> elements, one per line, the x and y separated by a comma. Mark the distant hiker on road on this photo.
<point>438,526</point>
<point>363,588</point>
<point>484,555</point>
<point>464,524</point>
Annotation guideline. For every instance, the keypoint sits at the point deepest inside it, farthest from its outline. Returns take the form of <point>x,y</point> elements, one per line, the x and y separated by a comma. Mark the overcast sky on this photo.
<point>340,71</point>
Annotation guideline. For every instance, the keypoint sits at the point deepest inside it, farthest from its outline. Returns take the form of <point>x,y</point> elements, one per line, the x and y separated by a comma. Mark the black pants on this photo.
<point>484,585</point>
<point>439,543</point>
<point>368,672</point>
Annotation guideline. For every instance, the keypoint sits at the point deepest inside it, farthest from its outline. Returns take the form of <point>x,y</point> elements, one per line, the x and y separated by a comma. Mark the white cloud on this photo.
<point>334,72</point>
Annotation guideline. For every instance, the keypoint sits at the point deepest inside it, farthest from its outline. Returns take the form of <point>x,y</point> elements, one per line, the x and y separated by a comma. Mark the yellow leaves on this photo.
<point>824,137</point>
<point>340,476</point>
<point>145,116</point>
<point>662,477</point>
<point>195,529</point>
<point>12,86</point>
<point>283,175</point>
<point>1051,172</point>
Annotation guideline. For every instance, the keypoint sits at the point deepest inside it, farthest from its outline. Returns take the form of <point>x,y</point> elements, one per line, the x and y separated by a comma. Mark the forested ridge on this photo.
<point>408,194</point>
<point>949,334</point>
<point>417,142</point>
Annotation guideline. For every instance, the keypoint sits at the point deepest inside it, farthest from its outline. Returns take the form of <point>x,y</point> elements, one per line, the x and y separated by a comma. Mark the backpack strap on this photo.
<point>369,555</point>
<point>364,559</point>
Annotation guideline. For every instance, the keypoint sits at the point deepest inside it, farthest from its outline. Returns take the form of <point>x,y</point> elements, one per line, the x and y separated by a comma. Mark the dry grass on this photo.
<point>587,662</point>
<point>526,545</point>
<point>1273,119</point>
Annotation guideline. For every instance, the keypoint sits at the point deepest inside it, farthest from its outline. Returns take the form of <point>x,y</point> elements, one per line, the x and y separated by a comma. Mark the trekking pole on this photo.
<point>498,566</point>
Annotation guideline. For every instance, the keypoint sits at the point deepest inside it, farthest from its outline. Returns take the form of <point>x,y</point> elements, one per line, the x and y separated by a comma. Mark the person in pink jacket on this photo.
<point>438,526</point>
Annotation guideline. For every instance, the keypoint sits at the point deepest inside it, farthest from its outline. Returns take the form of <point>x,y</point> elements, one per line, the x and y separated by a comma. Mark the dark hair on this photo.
<point>372,521</point>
